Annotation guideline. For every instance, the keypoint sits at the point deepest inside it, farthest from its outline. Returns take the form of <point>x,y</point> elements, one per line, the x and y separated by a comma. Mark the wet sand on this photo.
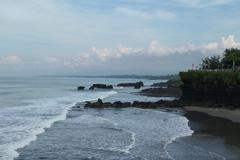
<point>233,115</point>
<point>213,138</point>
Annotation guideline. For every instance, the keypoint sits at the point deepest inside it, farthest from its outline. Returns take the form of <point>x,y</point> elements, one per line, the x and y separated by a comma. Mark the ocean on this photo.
<point>37,121</point>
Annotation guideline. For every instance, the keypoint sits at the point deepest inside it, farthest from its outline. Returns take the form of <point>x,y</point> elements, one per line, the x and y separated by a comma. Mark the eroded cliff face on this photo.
<point>215,88</point>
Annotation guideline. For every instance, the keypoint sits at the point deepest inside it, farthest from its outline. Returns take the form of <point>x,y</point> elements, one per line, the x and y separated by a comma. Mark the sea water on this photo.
<point>29,106</point>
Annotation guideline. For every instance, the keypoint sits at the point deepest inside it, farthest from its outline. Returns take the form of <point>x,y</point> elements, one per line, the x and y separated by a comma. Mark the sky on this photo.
<point>105,37</point>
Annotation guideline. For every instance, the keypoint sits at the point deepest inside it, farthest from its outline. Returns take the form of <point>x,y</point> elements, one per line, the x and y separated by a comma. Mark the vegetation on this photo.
<point>212,79</point>
<point>230,60</point>
<point>216,84</point>
<point>211,63</point>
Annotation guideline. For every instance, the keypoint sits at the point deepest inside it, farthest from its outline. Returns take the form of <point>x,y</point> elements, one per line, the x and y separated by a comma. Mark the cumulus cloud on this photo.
<point>155,49</point>
<point>158,14</point>
<point>12,59</point>
<point>120,51</point>
<point>209,48</point>
<point>229,42</point>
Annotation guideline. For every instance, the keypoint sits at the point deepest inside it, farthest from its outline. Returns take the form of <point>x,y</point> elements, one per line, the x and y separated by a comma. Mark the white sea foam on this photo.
<point>100,120</point>
<point>26,122</point>
<point>173,138</point>
<point>132,144</point>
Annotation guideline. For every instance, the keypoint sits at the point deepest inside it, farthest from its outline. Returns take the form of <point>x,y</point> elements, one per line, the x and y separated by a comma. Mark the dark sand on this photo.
<point>213,137</point>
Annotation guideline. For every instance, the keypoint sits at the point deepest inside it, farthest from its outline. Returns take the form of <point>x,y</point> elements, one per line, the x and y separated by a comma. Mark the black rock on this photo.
<point>136,85</point>
<point>101,86</point>
<point>81,88</point>
<point>162,92</point>
<point>160,84</point>
<point>99,101</point>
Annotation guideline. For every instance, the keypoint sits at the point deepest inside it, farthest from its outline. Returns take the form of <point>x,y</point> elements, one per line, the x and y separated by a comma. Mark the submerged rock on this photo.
<point>136,85</point>
<point>101,86</point>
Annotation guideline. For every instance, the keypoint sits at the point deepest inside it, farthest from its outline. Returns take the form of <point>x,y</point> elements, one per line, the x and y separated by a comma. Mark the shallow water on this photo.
<point>109,134</point>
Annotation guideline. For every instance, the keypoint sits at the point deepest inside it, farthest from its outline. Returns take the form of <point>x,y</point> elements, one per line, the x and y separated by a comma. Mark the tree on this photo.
<point>211,63</point>
<point>231,58</point>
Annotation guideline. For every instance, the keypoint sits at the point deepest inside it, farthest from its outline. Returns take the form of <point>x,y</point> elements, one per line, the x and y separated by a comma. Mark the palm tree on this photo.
<point>231,58</point>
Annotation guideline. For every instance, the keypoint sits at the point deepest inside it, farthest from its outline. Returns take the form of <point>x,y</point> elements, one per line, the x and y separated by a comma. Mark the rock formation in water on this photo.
<point>136,85</point>
<point>100,86</point>
<point>145,105</point>
<point>80,88</point>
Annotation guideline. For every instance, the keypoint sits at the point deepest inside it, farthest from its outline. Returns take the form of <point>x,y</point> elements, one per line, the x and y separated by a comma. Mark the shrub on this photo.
<point>211,78</point>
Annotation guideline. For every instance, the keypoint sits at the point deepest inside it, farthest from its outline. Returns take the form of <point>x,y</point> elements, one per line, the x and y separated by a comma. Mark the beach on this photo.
<point>213,138</point>
<point>233,115</point>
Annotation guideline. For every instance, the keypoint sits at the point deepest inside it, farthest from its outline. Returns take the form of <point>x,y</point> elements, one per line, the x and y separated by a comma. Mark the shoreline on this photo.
<point>212,136</point>
<point>63,130</point>
<point>199,124</point>
<point>202,121</point>
<point>232,115</point>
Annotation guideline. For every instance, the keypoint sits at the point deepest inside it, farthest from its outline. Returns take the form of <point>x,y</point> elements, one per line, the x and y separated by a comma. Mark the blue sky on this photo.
<point>100,37</point>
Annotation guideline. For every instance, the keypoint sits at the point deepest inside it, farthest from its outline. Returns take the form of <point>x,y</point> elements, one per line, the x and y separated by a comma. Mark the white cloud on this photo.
<point>12,59</point>
<point>158,14</point>
<point>155,49</point>
<point>120,51</point>
<point>229,42</point>
<point>209,48</point>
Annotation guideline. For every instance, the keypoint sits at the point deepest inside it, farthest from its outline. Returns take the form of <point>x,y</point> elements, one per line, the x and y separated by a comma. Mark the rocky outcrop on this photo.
<point>136,85</point>
<point>170,83</point>
<point>162,92</point>
<point>100,86</point>
<point>80,88</point>
<point>217,88</point>
<point>213,97</point>
<point>136,104</point>
<point>160,84</point>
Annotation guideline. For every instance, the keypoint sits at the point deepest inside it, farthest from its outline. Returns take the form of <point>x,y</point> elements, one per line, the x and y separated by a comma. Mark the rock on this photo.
<point>118,104</point>
<point>127,104</point>
<point>101,86</point>
<point>174,83</point>
<point>162,92</point>
<point>98,104</point>
<point>136,85</point>
<point>160,84</point>
<point>80,88</point>
<point>99,101</point>
<point>170,83</point>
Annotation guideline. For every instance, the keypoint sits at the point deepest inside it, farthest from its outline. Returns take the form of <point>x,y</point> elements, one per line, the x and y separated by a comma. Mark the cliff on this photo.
<point>217,87</point>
